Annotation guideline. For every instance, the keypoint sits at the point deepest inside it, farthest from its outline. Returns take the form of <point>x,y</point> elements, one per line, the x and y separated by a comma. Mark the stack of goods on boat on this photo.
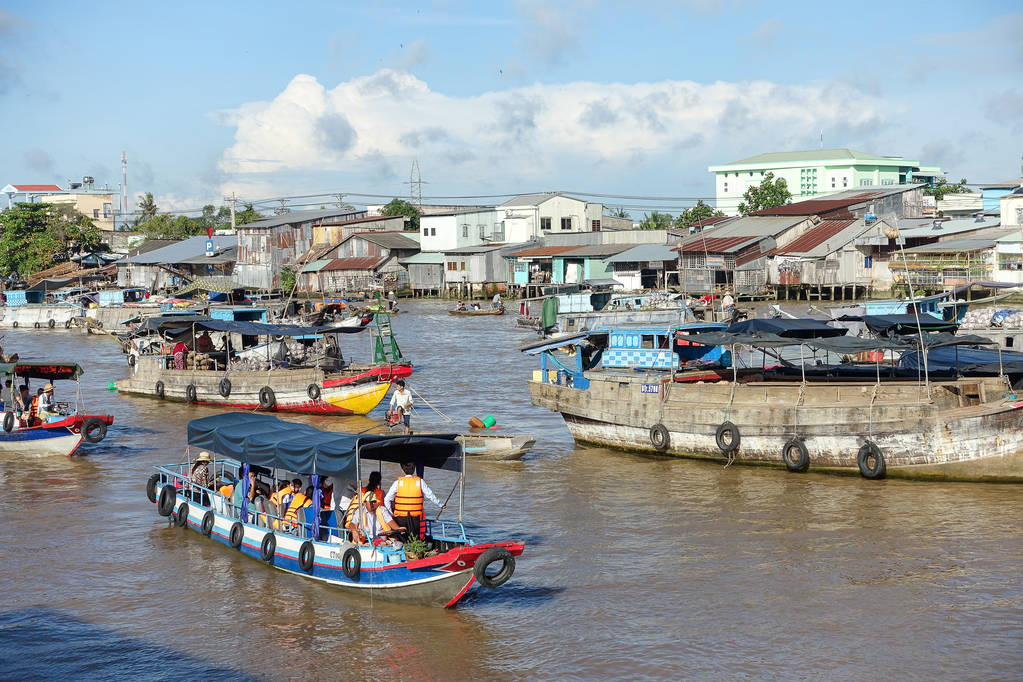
<point>318,532</point>
<point>273,367</point>
<point>791,393</point>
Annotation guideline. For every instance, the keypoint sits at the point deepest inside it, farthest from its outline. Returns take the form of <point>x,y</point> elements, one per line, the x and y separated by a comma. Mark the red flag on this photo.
<point>209,232</point>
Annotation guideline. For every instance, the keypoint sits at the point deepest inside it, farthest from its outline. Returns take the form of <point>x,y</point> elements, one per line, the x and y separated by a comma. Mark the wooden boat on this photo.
<point>481,311</point>
<point>326,387</point>
<point>316,547</point>
<point>846,418</point>
<point>59,433</point>
<point>485,446</point>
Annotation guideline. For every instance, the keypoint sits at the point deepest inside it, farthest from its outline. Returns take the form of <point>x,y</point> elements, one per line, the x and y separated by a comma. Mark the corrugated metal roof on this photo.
<point>750,226</point>
<point>598,250</point>
<point>424,258</point>
<point>479,248</point>
<point>718,244</point>
<point>954,246</point>
<point>948,227</point>
<point>296,217</point>
<point>316,265</point>
<point>644,252</point>
<point>816,206</point>
<point>388,240</point>
<point>37,188</point>
<point>530,199</point>
<point>180,252</point>
<point>541,252</point>
<point>363,263</point>
<point>228,255</point>
<point>815,236</point>
<point>819,155</point>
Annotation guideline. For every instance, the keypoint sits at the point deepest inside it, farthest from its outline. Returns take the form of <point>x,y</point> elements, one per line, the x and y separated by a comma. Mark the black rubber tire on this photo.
<point>14,324</point>
<point>237,534</point>
<point>306,556</point>
<point>267,399</point>
<point>168,498</point>
<point>182,518</point>
<point>52,323</point>
<point>225,387</point>
<point>488,557</point>
<point>659,437</point>
<point>151,487</point>
<point>351,563</point>
<point>190,393</point>
<point>731,443</point>
<point>9,422</point>
<point>795,455</point>
<point>131,360</point>
<point>159,389</point>
<point>37,324</point>
<point>94,430</point>
<point>268,548</point>
<point>871,462</point>
<point>207,523</point>
<point>67,324</point>
<point>313,391</point>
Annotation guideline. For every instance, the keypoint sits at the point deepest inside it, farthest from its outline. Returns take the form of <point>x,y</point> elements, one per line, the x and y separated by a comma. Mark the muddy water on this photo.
<point>634,567</point>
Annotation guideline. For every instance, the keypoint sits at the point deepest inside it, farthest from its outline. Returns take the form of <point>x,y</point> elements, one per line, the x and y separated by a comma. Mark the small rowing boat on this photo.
<point>478,311</point>
<point>485,446</point>
<point>313,543</point>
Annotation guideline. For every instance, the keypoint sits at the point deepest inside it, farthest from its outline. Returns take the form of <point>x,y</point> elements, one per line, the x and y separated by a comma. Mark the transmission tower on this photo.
<point>415,183</point>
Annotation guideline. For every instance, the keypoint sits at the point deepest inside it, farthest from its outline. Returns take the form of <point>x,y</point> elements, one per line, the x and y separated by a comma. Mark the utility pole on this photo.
<point>415,183</point>
<point>124,184</point>
<point>234,200</point>
<point>283,209</point>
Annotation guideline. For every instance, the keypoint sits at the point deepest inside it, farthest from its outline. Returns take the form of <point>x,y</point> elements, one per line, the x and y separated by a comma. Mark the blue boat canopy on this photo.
<point>800,328</point>
<point>271,442</point>
<point>253,328</point>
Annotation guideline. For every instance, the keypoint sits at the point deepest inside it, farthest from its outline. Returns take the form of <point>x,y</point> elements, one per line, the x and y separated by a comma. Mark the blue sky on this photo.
<point>636,99</point>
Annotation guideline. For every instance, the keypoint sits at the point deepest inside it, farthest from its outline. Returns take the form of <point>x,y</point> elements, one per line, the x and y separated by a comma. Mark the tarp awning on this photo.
<point>271,442</point>
<point>253,328</point>
<point>800,328</point>
<point>887,325</point>
<point>218,285</point>
<point>51,371</point>
<point>552,342</point>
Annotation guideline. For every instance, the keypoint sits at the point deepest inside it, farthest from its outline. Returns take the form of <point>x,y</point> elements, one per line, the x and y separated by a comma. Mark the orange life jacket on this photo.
<point>408,500</point>
<point>297,502</point>
<point>33,410</point>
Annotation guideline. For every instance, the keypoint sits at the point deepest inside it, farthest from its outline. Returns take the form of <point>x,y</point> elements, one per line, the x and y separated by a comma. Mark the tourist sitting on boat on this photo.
<point>180,351</point>
<point>372,485</point>
<point>204,343</point>
<point>22,400</point>
<point>46,406</point>
<point>475,306</point>
<point>376,519</point>
<point>460,306</point>
<point>299,501</point>
<point>405,499</point>
<point>326,493</point>
<point>33,410</point>
<point>201,477</point>
<point>280,499</point>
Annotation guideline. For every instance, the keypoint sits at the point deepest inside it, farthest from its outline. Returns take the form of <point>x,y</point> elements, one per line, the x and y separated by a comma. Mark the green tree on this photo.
<point>768,194</point>
<point>941,188</point>
<point>619,212</point>
<point>147,207</point>
<point>34,237</point>
<point>288,278</point>
<point>695,214</point>
<point>402,207</point>
<point>656,221</point>
<point>246,215</point>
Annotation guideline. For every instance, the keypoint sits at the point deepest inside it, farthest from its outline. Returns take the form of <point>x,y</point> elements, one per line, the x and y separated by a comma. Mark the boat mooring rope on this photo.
<point>427,403</point>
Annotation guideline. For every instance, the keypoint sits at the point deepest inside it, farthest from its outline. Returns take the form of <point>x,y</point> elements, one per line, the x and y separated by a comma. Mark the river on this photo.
<point>635,567</point>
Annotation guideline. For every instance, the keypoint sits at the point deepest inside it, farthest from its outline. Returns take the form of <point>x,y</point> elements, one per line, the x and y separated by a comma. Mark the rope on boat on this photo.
<point>427,403</point>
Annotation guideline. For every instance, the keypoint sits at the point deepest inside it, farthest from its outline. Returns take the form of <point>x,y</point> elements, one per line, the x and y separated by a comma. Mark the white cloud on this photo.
<point>367,125</point>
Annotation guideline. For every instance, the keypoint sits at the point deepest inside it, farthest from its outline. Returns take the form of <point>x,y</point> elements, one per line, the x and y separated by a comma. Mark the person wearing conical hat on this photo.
<point>201,477</point>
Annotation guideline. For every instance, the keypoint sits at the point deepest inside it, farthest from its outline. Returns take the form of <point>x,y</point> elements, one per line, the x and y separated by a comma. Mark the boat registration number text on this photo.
<point>650,388</point>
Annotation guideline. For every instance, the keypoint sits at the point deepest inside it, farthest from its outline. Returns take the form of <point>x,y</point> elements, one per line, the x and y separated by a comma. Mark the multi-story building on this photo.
<point>97,204</point>
<point>815,173</point>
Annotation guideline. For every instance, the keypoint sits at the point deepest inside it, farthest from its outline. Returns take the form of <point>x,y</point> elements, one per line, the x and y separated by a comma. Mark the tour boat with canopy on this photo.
<point>317,546</point>
<point>318,382</point>
<point>57,432</point>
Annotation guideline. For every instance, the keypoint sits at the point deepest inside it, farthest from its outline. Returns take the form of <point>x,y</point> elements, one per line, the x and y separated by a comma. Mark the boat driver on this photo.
<point>377,521</point>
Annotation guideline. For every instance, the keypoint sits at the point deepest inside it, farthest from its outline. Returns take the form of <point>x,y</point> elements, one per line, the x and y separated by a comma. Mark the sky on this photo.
<point>623,99</point>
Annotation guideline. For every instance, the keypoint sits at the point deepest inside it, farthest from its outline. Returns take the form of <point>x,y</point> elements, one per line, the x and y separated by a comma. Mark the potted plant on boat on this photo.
<point>416,548</point>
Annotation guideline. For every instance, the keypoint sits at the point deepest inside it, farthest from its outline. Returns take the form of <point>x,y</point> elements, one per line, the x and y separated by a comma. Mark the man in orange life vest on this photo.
<point>405,500</point>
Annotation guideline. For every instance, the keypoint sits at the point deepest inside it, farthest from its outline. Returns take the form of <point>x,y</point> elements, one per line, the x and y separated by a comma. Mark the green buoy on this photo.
<point>111,386</point>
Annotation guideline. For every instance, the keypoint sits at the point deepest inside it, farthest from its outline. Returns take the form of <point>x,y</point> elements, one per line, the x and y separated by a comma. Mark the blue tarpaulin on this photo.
<point>300,448</point>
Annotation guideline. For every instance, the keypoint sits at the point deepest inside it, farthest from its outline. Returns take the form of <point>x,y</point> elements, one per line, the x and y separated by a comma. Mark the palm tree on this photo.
<point>148,206</point>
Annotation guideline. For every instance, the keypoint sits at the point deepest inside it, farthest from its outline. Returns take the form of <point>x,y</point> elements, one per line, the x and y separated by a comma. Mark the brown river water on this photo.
<point>635,567</point>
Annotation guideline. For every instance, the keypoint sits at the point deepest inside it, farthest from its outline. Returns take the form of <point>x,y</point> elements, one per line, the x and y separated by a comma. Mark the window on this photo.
<point>452,265</point>
<point>108,210</point>
<point>865,183</point>
<point>1019,216</point>
<point>566,223</point>
<point>1010,261</point>
<point>426,232</point>
<point>595,226</point>
<point>483,231</point>
<point>845,182</point>
<point>95,213</point>
<point>498,234</point>
<point>726,187</point>
<point>465,230</point>
<point>648,341</point>
<point>887,182</point>
<point>433,231</point>
<point>545,223</point>
<point>461,265</point>
<point>832,183</point>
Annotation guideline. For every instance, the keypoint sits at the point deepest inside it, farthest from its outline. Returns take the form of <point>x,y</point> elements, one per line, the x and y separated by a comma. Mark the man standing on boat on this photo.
<point>405,499</point>
<point>497,302</point>
<point>401,400</point>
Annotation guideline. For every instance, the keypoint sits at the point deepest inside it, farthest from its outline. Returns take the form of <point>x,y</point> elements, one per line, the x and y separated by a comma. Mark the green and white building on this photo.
<point>816,173</point>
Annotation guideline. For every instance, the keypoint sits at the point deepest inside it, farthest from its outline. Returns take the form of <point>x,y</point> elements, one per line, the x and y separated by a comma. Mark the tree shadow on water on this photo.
<point>37,643</point>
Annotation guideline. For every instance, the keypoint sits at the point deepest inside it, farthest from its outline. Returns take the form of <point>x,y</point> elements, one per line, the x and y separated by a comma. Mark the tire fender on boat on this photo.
<point>351,563</point>
<point>267,399</point>
<point>182,518</point>
<point>36,324</point>
<point>52,323</point>
<point>151,487</point>
<point>14,324</point>
<point>795,455</point>
<point>306,555</point>
<point>488,557</point>
<point>168,498</point>
<point>237,534</point>
<point>225,387</point>
<point>871,462</point>
<point>67,324</point>
<point>190,393</point>
<point>159,389</point>
<point>268,548</point>
<point>659,437</point>
<point>207,523</point>
<point>94,430</point>
<point>9,422</point>
<point>131,360</point>
<point>727,437</point>
<point>313,391</point>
